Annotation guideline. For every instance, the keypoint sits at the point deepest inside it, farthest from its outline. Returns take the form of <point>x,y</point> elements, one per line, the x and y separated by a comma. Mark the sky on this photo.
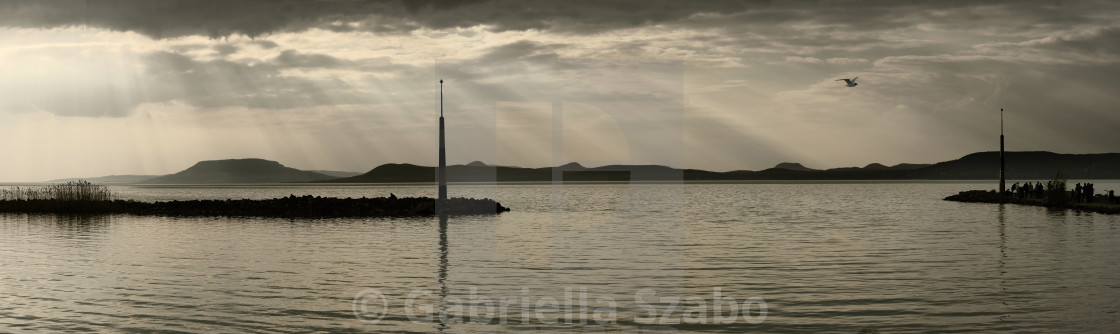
<point>103,87</point>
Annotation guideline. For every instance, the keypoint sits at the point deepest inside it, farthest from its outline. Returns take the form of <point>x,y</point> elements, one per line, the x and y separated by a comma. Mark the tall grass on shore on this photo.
<point>1056,193</point>
<point>70,191</point>
<point>71,197</point>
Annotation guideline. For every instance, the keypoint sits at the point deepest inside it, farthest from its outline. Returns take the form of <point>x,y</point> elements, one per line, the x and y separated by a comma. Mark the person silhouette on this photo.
<point>1088,192</point>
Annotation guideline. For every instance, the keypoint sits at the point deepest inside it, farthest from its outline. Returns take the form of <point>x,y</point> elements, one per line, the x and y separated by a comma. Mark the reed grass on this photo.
<point>1056,193</point>
<point>73,191</point>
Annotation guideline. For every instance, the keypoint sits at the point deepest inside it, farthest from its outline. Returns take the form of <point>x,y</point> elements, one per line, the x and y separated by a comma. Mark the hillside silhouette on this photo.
<point>1029,165</point>
<point>976,166</point>
<point>335,173</point>
<point>794,166</point>
<point>238,171</point>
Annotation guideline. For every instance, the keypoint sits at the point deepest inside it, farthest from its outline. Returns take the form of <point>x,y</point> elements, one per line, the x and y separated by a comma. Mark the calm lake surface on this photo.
<point>839,258</point>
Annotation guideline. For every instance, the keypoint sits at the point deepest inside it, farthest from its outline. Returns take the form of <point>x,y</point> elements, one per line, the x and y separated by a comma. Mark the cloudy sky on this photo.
<point>99,87</point>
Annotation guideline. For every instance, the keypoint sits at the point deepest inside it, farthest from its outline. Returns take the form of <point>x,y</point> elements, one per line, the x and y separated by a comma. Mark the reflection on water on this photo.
<point>824,258</point>
<point>62,229</point>
<point>77,227</point>
<point>1002,257</point>
<point>443,267</point>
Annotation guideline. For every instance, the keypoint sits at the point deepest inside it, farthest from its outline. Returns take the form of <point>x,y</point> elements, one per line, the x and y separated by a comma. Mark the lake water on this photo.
<point>579,258</point>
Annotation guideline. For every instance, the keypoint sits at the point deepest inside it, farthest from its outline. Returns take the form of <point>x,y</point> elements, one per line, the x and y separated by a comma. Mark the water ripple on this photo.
<point>824,257</point>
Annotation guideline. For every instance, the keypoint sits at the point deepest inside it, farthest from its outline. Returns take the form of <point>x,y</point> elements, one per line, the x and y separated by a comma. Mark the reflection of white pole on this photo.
<point>1002,180</point>
<point>442,152</point>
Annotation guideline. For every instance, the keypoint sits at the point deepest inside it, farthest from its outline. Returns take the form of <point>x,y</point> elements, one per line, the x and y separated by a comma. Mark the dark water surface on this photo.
<point>842,258</point>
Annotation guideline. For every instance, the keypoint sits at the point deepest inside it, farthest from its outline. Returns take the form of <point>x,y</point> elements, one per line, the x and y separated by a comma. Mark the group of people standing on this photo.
<point>1081,193</point>
<point>1084,194</point>
<point>1028,191</point>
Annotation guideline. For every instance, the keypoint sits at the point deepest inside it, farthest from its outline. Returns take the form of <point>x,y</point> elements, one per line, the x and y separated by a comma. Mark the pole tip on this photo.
<point>441,81</point>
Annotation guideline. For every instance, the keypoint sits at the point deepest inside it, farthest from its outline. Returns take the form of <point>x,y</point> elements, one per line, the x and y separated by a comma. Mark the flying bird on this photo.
<point>851,82</point>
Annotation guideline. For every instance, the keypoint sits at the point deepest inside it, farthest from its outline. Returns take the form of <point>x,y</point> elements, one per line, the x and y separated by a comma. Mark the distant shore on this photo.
<point>1100,203</point>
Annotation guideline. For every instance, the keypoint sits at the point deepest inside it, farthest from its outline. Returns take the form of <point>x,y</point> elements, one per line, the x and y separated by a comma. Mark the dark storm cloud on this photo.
<point>226,49</point>
<point>265,44</point>
<point>1102,42</point>
<point>165,19</point>
<point>521,49</point>
<point>292,58</point>
<point>175,18</point>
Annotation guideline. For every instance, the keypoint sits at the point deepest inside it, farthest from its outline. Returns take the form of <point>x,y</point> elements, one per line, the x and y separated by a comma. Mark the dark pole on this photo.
<point>1002,180</point>
<point>442,153</point>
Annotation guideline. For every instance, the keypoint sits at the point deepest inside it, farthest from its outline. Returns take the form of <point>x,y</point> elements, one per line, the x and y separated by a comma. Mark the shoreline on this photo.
<point>500,183</point>
<point>285,207</point>
<point>1100,203</point>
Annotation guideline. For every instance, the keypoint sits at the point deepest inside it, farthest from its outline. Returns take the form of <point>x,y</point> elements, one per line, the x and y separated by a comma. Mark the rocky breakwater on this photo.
<point>291,206</point>
<point>1100,203</point>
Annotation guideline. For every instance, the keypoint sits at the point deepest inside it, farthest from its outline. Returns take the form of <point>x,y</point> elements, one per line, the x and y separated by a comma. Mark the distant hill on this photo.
<point>335,173</point>
<point>793,166</point>
<point>480,172</point>
<point>112,179</point>
<point>239,171</point>
<point>1027,165</point>
<point>976,166</point>
<point>391,173</point>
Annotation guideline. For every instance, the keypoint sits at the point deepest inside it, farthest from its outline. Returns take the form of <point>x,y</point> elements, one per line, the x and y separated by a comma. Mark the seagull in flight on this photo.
<point>851,82</point>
